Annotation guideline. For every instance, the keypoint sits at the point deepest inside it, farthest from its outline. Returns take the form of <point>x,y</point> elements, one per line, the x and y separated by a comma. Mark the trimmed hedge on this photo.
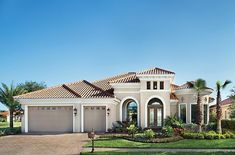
<point>208,135</point>
<point>228,124</point>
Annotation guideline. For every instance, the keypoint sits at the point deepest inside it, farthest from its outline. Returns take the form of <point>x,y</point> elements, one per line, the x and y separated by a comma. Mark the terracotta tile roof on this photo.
<point>80,89</point>
<point>132,78</point>
<point>4,113</point>
<point>104,84</point>
<point>188,85</point>
<point>155,71</point>
<point>173,97</point>
<point>51,92</point>
<point>227,101</point>
<point>174,87</point>
<point>87,90</point>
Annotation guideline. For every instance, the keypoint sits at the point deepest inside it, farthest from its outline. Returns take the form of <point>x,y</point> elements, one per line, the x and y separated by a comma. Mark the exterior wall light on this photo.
<point>22,111</point>
<point>75,111</point>
<point>108,111</point>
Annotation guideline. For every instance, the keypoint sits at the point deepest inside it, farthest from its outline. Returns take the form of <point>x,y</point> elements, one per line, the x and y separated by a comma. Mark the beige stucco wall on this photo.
<point>189,98</point>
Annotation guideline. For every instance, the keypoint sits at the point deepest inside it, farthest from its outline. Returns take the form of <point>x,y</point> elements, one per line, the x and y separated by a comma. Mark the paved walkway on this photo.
<point>158,150</point>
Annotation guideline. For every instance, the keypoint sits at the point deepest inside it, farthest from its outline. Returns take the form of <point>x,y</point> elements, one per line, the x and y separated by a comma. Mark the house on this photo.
<point>226,108</point>
<point>146,97</point>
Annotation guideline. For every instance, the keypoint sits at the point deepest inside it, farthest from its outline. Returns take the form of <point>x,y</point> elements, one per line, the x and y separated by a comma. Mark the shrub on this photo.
<point>190,127</point>
<point>167,131</point>
<point>174,122</point>
<point>149,134</point>
<point>210,126</point>
<point>193,135</point>
<point>228,124</point>
<point>132,130</point>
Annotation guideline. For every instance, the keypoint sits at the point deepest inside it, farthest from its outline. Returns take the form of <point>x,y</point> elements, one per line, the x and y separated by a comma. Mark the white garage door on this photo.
<point>50,118</point>
<point>95,118</point>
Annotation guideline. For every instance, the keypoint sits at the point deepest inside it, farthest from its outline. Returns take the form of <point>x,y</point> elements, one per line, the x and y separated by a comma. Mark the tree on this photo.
<point>7,98</point>
<point>219,87</point>
<point>31,86</point>
<point>199,86</point>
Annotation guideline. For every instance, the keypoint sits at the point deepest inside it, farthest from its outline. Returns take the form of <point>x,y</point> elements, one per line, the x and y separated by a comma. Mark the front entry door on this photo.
<point>154,117</point>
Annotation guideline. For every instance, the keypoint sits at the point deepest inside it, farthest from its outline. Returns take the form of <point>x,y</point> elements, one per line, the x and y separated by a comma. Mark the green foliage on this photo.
<point>167,131</point>
<point>174,122</point>
<point>31,86</point>
<point>228,124</point>
<point>210,126</point>
<point>132,130</point>
<point>190,127</point>
<point>7,94</point>
<point>149,134</point>
<point>212,118</point>
<point>208,135</point>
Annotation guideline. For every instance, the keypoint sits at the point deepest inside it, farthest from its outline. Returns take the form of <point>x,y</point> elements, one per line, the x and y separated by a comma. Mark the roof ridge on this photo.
<point>157,69</point>
<point>96,87</point>
<point>96,81</point>
<point>130,74</point>
<point>70,90</point>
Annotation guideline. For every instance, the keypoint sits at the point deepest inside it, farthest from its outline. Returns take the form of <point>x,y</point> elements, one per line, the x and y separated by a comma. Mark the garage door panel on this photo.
<point>95,118</point>
<point>51,119</point>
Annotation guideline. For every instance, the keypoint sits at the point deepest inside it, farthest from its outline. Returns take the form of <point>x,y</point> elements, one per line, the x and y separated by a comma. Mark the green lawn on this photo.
<point>5,125</point>
<point>152,153</point>
<point>186,143</point>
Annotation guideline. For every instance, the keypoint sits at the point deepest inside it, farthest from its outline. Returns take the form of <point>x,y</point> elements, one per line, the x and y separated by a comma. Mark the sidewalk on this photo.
<point>158,150</point>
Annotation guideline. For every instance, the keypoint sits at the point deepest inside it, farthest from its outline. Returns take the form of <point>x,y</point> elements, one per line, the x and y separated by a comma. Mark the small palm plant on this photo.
<point>7,98</point>
<point>199,86</point>
<point>219,87</point>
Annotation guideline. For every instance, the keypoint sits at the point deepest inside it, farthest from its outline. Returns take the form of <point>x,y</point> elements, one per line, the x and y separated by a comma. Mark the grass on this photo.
<point>183,144</point>
<point>5,125</point>
<point>154,153</point>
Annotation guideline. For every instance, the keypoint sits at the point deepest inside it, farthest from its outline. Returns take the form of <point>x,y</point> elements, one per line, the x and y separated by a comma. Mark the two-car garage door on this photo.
<point>50,118</point>
<point>60,118</point>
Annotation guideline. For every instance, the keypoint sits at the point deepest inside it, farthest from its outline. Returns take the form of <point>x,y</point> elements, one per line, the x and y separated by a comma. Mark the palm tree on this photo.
<point>219,86</point>
<point>7,98</point>
<point>199,86</point>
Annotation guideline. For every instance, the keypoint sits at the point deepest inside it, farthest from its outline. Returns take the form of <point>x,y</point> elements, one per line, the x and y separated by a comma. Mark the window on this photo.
<point>193,113</point>
<point>183,112</point>
<point>161,84</point>
<point>148,85</point>
<point>155,85</point>
<point>205,113</point>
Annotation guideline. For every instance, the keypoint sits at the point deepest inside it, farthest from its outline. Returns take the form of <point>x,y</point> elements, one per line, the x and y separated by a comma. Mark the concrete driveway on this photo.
<point>60,144</point>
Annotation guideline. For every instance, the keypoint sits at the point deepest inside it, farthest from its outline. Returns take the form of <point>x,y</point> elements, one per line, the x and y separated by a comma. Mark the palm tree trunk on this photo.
<point>11,118</point>
<point>199,113</point>
<point>218,112</point>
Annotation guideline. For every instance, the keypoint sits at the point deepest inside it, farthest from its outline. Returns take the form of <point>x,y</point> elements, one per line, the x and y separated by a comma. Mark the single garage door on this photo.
<point>50,118</point>
<point>95,118</point>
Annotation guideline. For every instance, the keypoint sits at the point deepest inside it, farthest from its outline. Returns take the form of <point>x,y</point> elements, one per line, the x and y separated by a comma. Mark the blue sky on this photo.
<point>64,41</point>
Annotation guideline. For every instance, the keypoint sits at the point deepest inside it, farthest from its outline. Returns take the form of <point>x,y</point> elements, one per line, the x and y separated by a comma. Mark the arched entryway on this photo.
<point>129,111</point>
<point>155,113</point>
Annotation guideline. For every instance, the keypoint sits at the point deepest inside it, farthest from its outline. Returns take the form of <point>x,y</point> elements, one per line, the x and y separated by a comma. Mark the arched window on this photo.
<point>132,112</point>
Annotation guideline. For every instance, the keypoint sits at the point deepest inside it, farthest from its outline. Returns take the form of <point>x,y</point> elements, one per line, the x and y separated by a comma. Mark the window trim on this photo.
<point>162,88</point>
<point>155,82</point>
<point>148,85</point>
<point>186,110</point>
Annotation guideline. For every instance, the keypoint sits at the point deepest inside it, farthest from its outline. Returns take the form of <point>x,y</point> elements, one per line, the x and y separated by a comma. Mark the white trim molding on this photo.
<point>26,119</point>
<point>138,108</point>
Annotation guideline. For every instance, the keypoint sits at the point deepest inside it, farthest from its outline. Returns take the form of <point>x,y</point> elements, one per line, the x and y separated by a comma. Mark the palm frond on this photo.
<point>227,82</point>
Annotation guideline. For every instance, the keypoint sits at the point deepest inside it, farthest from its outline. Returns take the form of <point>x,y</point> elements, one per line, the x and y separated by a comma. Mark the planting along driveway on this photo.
<point>60,144</point>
